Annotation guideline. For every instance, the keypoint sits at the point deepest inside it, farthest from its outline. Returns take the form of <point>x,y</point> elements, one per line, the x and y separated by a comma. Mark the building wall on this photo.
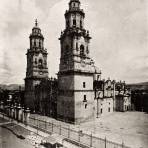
<point>65,108</point>
<point>66,82</point>
<point>30,92</point>
<point>65,99</point>
<point>71,103</point>
<point>84,111</point>
<point>80,79</point>
<point>105,106</point>
<point>30,99</point>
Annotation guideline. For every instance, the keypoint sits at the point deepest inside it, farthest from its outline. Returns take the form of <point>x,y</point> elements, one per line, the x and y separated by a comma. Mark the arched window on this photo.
<point>76,46</point>
<point>84,85</point>
<point>39,44</point>
<point>35,60</point>
<point>45,62</point>
<point>34,43</point>
<point>82,54</point>
<point>74,22</point>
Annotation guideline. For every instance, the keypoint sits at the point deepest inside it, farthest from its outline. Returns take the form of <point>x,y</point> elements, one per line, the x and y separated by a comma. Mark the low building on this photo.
<point>105,106</point>
<point>104,96</point>
<point>123,97</point>
<point>111,96</point>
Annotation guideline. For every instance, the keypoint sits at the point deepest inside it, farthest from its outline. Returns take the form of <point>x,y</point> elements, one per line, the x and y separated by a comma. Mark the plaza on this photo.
<point>130,128</point>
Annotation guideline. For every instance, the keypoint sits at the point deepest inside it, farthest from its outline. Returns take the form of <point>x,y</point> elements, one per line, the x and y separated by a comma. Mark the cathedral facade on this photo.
<point>79,94</point>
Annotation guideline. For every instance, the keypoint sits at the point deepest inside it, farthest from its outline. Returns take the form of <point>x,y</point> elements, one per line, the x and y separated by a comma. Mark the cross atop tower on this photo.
<point>36,22</point>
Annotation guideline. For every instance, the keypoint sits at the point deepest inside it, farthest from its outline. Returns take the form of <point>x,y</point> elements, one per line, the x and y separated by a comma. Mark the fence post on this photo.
<point>105,142</point>
<point>34,121</point>
<point>45,124</point>
<point>79,137</point>
<point>69,132</point>
<point>60,129</point>
<point>49,125</point>
<point>37,125</point>
<point>91,140</point>
<point>52,126</point>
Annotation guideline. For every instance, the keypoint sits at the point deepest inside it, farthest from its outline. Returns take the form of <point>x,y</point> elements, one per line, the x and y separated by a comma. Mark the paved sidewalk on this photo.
<point>36,135</point>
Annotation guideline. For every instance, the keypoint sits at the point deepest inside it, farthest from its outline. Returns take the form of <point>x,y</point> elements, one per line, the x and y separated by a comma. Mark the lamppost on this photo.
<point>97,98</point>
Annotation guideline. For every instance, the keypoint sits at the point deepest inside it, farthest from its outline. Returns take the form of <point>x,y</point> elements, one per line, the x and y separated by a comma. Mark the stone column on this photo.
<point>8,107</point>
<point>11,111</point>
<point>15,112</point>
<point>19,113</point>
<point>27,115</point>
<point>23,115</point>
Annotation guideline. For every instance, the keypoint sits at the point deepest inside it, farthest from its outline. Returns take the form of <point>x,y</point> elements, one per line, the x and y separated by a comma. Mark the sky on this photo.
<point>119,31</point>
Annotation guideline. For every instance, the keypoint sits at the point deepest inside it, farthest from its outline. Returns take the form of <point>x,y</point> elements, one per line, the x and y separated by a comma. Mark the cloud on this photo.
<point>119,35</point>
<point>45,5</point>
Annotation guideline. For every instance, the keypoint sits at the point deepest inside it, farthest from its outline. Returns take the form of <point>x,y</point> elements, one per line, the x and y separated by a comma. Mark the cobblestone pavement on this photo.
<point>129,127</point>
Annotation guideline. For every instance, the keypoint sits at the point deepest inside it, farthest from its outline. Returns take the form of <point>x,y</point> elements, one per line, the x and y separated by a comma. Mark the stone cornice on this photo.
<point>75,72</point>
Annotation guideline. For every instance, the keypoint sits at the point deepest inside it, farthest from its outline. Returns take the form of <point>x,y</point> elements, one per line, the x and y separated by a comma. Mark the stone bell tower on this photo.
<point>36,65</point>
<point>76,96</point>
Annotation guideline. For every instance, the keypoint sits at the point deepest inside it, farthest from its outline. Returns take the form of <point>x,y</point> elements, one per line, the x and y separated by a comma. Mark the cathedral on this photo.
<point>78,94</point>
